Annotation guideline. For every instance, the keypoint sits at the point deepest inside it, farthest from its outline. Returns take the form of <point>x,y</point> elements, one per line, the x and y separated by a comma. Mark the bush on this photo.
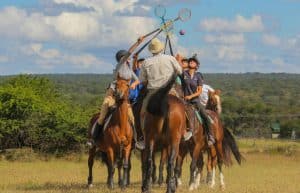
<point>33,113</point>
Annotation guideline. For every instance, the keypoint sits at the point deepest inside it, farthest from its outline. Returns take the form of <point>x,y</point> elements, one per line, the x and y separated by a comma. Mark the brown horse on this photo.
<point>225,142</point>
<point>115,143</point>
<point>197,145</point>
<point>164,123</point>
<point>157,147</point>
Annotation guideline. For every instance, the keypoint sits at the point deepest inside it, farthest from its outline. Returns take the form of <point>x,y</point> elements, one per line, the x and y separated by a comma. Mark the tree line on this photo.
<point>50,113</point>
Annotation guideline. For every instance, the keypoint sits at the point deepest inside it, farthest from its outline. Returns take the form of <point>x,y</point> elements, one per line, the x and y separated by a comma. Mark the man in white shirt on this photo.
<point>204,94</point>
<point>156,71</point>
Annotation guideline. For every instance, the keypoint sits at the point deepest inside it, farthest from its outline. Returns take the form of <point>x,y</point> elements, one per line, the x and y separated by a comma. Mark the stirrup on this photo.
<point>188,135</point>
<point>90,143</point>
<point>140,145</point>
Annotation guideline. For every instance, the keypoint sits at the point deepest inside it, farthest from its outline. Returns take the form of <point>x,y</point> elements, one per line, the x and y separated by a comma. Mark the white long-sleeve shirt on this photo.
<point>204,95</point>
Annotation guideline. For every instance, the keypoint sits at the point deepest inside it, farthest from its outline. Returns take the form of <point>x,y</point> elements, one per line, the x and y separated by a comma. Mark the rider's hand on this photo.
<point>178,57</point>
<point>132,86</point>
<point>141,39</point>
<point>187,97</point>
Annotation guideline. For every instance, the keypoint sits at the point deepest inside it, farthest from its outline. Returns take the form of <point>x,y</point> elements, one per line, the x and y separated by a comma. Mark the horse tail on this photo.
<point>158,101</point>
<point>229,144</point>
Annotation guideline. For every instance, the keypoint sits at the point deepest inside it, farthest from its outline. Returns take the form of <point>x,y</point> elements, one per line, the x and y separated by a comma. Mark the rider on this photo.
<point>123,71</point>
<point>136,67</point>
<point>204,95</point>
<point>192,88</point>
<point>156,71</point>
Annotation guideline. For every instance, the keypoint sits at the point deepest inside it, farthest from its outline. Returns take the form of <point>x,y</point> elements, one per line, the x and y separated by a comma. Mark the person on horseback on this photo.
<point>136,67</point>
<point>192,83</point>
<point>123,71</point>
<point>204,95</point>
<point>156,71</point>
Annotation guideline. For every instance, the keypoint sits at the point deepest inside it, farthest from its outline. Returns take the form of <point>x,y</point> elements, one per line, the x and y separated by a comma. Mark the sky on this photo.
<point>82,36</point>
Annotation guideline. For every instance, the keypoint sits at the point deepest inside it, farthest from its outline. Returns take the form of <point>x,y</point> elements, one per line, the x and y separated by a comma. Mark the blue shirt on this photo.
<point>134,93</point>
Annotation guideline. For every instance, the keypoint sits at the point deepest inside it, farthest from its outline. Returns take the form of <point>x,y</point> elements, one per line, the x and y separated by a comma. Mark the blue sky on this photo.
<point>82,36</point>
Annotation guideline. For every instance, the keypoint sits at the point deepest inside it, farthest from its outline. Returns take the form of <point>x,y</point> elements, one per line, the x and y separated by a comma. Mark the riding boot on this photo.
<point>207,125</point>
<point>97,132</point>
<point>138,144</point>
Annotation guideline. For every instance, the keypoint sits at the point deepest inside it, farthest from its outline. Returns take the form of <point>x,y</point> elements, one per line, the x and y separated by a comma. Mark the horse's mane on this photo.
<point>158,101</point>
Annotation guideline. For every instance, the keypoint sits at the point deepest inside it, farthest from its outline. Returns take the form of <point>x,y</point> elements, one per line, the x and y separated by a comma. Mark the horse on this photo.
<point>136,107</point>
<point>197,145</point>
<point>225,142</point>
<point>164,122</point>
<point>116,142</point>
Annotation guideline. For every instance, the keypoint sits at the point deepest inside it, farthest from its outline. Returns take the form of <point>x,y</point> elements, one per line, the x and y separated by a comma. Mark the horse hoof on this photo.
<point>192,187</point>
<point>179,182</point>
<point>90,185</point>
<point>222,187</point>
<point>212,185</point>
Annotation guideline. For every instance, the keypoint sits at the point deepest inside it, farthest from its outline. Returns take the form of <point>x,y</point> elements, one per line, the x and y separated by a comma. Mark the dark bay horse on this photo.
<point>164,123</point>
<point>115,143</point>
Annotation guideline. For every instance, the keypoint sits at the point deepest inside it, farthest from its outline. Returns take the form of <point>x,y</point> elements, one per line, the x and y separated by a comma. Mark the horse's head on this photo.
<point>122,89</point>
<point>214,101</point>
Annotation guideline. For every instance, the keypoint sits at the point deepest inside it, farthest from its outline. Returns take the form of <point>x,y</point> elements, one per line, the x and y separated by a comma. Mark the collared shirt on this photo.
<point>158,69</point>
<point>123,70</point>
<point>204,94</point>
<point>190,84</point>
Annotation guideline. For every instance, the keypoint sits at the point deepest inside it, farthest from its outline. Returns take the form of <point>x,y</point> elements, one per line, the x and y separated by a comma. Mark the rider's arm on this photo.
<point>143,75</point>
<point>125,58</point>
<point>196,94</point>
<point>176,65</point>
<point>135,62</point>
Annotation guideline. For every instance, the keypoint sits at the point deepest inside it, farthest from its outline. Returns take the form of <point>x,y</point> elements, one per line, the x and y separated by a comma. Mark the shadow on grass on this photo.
<point>64,187</point>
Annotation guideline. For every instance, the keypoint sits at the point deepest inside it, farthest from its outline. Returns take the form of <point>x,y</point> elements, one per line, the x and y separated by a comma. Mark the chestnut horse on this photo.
<point>115,143</point>
<point>223,147</point>
<point>164,123</point>
<point>198,144</point>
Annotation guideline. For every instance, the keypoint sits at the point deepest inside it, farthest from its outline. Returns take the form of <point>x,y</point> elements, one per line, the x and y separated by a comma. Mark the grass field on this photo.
<point>272,166</point>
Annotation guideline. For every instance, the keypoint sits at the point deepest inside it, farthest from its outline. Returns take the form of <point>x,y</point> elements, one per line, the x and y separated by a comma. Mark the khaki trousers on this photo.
<point>109,101</point>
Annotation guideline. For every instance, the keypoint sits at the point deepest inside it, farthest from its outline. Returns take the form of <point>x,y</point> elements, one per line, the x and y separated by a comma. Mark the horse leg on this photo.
<point>126,154</point>
<point>110,168</point>
<point>120,173</point>
<point>153,177</point>
<point>171,180</point>
<point>200,165</point>
<point>129,170</point>
<point>211,166</point>
<point>178,166</point>
<point>92,153</point>
<point>222,183</point>
<point>163,159</point>
<point>148,166</point>
<point>193,166</point>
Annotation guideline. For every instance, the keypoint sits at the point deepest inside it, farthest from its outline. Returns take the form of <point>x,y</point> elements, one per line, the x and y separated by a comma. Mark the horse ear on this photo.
<point>218,92</point>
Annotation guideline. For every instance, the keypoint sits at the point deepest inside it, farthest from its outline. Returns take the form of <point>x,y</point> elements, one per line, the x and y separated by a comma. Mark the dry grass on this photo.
<point>259,173</point>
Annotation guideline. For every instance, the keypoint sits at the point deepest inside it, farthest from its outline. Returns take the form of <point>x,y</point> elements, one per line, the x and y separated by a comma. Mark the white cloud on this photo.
<point>271,40</point>
<point>92,29</point>
<point>225,39</point>
<point>3,59</point>
<point>239,24</point>
<point>278,62</point>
